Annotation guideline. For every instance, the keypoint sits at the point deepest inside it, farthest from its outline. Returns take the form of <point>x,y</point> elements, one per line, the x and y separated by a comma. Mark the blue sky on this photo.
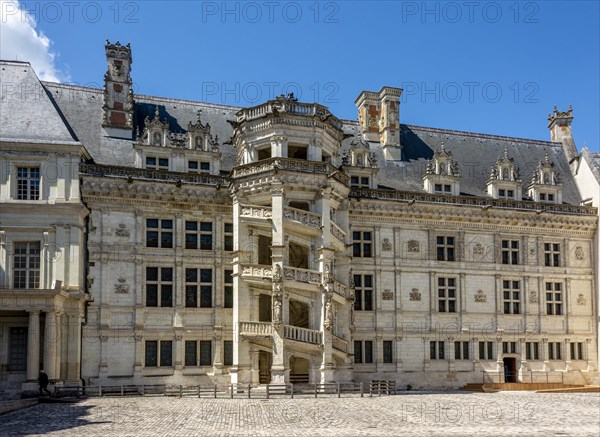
<point>494,67</point>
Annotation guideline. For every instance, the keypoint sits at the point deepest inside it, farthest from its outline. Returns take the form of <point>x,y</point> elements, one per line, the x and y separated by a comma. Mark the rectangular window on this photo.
<point>193,166</point>
<point>198,280</point>
<point>461,350</point>
<point>228,353</point>
<point>552,254</point>
<point>191,353</point>
<point>166,353</point>
<point>359,182</point>
<point>159,233</point>
<point>205,353</point>
<point>437,350</point>
<point>388,356</point>
<point>26,270</point>
<point>486,350</point>
<point>17,349</point>
<point>510,252</point>
<point>228,289</point>
<point>228,237</point>
<point>532,350</point>
<point>361,244</point>
<point>554,298</point>
<point>554,351</point>
<point>152,162</point>
<point>28,183</point>
<point>159,286</point>
<point>577,351</point>
<point>447,295</point>
<point>511,296</point>
<point>198,235</point>
<point>509,347</point>
<point>363,352</point>
<point>363,292</point>
<point>151,354</point>
<point>446,249</point>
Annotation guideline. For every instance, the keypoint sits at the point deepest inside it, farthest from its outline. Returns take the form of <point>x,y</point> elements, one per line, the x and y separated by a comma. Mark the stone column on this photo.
<point>218,351</point>
<point>59,348</point>
<point>33,346</point>
<point>567,354</point>
<point>50,343</point>
<point>74,349</point>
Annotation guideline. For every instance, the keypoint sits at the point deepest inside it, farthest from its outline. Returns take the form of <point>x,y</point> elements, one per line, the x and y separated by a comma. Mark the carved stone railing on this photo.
<point>337,233</point>
<point>302,275</point>
<point>408,196</point>
<point>339,344</point>
<point>256,211</point>
<point>256,329</point>
<point>288,106</point>
<point>256,271</point>
<point>304,217</point>
<point>113,171</point>
<point>302,334</point>
<point>340,288</point>
<point>289,164</point>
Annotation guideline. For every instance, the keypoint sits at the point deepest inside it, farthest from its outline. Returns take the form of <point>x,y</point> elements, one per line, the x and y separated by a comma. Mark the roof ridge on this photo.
<point>9,62</point>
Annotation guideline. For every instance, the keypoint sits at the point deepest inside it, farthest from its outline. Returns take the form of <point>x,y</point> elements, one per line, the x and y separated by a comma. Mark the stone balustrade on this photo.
<point>302,334</point>
<point>255,211</point>
<point>302,275</point>
<point>305,217</point>
<point>289,164</point>
<point>337,233</point>
<point>256,329</point>
<point>339,344</point>
<point>340,288</point>
<point>256,271</point>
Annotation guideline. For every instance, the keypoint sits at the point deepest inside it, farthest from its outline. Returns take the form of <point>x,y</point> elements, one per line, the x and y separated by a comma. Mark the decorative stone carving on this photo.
<point>122,231</point>
<point>579,255</point>
<point>533,297</point>
<point>480,297</point>
<point>581,300</point>
<point>387,295</point>
<point>328,322</point>
<point>121,287</point>
<point>415,295</point>
<point>414,246</point>
<point>327,276</point>
<point>386,245</point>
<point>478,250</point>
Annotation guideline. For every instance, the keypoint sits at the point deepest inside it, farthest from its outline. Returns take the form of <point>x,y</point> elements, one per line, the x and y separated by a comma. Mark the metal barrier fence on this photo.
<point>231,391</point>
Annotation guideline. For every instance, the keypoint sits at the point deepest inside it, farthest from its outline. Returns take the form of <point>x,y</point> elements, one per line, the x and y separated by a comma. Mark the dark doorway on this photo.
<point>265,361</point>
<point>510,369</point>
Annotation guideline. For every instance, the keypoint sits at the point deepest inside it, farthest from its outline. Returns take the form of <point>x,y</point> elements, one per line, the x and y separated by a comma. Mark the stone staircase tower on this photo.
<point>292,300</point>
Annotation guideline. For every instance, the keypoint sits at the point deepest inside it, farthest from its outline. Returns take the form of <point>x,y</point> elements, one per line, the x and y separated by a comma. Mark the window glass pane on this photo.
<point>190,353</point>
<point>166,353</point>
<point>205,353</point>
<point>151,353</point>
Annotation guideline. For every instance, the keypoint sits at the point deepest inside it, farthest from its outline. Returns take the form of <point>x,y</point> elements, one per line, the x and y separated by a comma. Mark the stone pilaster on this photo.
<point>33,346</point>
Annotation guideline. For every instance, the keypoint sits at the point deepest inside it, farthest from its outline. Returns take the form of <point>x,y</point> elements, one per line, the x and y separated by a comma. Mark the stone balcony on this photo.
<point>295,333</point>
<point>340,344</point>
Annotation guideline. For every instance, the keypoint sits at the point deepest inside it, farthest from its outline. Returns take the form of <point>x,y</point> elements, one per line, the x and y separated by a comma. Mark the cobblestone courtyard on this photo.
<point>506,413</point>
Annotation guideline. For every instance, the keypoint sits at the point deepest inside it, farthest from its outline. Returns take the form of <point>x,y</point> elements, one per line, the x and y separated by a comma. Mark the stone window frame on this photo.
<point>359,244</point>
<point>27,269</point>
<point>554,306</point>
<point>29,163</point>
<point>505,193</point>
<point>160,357</point>
<point>449,249</point>
<point>532,351</point>
<point>443,189</point>
<point>199,358</point>
<point>508,286</point>
<point>159,230</point>
<point>361,181</point>
<point>200,166</point>
<point>157,162</point>
<point>552,256</point>
<point>510,347</point>
<point>437,350</point>
<point>449,302</point>
<point>462,350</point>
<point>387,351</point>
<point>487,347</point>
<point>227,287</point>
<point>203,238</point>
<point>200,286</point>
<point>363,357</point>
<point>29,193</point>
<point>509,253</point>
<point>577,351</point>
<point>227,350</point>
<point>160,283</point>
<point>555,352</point>
<point>228,237</point>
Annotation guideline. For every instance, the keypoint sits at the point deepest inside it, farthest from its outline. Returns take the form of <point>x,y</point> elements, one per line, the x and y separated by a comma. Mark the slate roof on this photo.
<point>475,152</point>
<point>27,114</point>
<point>593,160</point>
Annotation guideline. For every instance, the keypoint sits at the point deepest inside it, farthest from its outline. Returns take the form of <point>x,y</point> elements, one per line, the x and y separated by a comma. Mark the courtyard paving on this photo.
<point>414,413</point>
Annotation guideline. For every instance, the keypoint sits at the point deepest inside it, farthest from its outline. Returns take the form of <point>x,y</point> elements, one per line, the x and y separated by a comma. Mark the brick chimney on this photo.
<point>559,124</point>
<point>118,93</point>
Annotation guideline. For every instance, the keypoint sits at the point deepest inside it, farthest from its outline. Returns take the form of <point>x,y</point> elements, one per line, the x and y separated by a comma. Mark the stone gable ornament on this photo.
<point>386,245</point>
<point>480,297</point>
<point>415,295</point>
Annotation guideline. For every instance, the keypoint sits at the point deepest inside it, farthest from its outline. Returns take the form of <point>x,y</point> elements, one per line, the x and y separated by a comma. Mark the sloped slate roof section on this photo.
<point>475,153</point>
<point>27,114</point>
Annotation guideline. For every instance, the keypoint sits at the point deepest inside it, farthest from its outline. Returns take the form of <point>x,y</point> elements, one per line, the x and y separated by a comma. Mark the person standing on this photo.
<point>43,382</point>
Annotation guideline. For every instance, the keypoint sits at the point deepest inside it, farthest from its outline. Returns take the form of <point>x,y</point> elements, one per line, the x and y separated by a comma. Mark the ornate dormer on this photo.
<point>199,137</point>
<point>443,173</point>
<point>194,151</point>
<point>118,93</point>
<point>360,164</point>
<point>504,181</point>
<point>545,183</point>
<point>559,124</point>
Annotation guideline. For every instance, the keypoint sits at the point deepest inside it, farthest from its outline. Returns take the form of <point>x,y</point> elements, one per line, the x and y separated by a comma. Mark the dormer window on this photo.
<point>442,175</point>
<point>195,167</point>
<point>545,183</point>
<point>506,194</point>
<point>28,183</point>
<point>443,189</point>
<point>504,181</point>
<point>359,182</point>
<point>155,163</point>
